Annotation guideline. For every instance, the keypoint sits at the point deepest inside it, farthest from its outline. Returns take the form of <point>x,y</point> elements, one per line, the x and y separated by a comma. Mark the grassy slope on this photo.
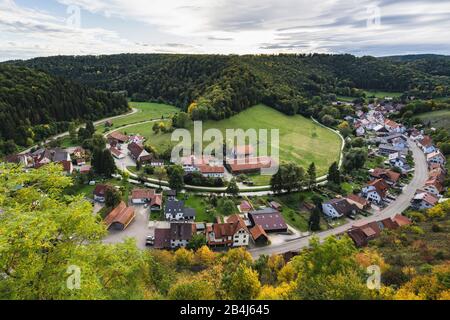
<point>438,119</point>
<point>146,111</point>
<point>301,140</point>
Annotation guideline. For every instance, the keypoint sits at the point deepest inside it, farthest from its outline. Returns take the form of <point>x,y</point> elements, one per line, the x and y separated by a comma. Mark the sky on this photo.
<point>361,27</point>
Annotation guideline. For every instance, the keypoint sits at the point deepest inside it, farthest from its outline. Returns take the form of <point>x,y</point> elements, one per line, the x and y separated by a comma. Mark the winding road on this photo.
<point>398,206</point>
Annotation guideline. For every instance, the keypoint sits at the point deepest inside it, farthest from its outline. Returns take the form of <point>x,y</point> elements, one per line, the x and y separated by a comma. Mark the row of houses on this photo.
<point>362,234</point>
<point>429,194</point>
<point>236,231</point>
<point>70,160</point>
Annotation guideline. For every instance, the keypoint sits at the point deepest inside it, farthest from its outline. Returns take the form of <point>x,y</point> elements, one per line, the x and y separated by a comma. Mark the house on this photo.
<point>150,159</point>
<point>116,153</point>
<point>162,238</point>
<point>358,201</point>
<point>136,151</point>
<point>117,138</point>
<point>436,157</point>
<point>437,173</point>
<point>176,211</point>
<point>120,217</point>
<point>426,144</point>
<point>245,206</point>
<point>424,200</point>
<point>85,169</point>
<point>360,131</point>
<point>401,220</point>
<point>22,159</point>
<point>275,205</point>
<point>233,233</point>
<point>248,165</point>
<point>147,196</point>
<point>209,171</point>
<point>181,234</point>
<point>259,236</point>
<point>339,207</point>
<point>100,192</point>
<point>67,166</point>
<point>375,191</point>
<point>399,161</point>
<point>171,194</point>
<point>393,126</point>
<point>390,176</point>
<point>136,139</point>
<point>434,186</point>
<point>269,219</point>
<point>387,149</point>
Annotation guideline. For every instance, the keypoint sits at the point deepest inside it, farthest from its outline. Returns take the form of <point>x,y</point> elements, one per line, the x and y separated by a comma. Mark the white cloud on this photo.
<point>232,26</point>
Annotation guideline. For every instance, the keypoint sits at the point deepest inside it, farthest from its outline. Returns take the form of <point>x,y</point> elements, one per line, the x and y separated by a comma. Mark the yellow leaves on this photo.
<point>287,273</point>
<point>281,292</point>
<point>192,106</point>
<point>439,211</point>
<point>184,258</point>
<point>204,256</point>
<point>343,125</point>
<point>369,257</point>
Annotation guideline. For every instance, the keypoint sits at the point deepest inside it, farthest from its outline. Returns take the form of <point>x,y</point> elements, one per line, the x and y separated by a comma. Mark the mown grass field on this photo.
<point>301,140</point>
<point>437,119</point>
<point>146,111</point>
<point>382,94</point>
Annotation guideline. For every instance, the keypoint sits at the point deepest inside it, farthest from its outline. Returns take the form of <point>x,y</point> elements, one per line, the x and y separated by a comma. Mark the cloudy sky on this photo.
<point>361,27</point>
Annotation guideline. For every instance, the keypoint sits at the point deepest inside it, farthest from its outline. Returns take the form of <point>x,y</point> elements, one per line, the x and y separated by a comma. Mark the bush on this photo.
<point>436,228</point>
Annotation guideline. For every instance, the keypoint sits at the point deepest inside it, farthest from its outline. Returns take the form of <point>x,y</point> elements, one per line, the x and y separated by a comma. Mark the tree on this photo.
<point>112,197</point>
<point>192,289</point>
<point>45,234</point>
<point>354,159</point>
<point>314,219</point>
<point>289,177</point>
<point>197,241</point>
<point>176,174</point>
<point>226,207</point>
<point>73,131</point>
<point>334,175</point>
<point>242,284</point>
<point>156,128</point>
<point>184,258</point>
<point>204,256</point>
<point>160,173</point>
<point>312,176</point>
<point>232,188</point>
<point>90,129</point>
<point>180,120</point>
<point>103,162</point>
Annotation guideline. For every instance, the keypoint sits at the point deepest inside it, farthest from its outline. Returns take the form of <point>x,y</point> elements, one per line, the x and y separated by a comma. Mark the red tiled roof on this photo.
<point>257,232</point>
<point>249,164</point>
<point>245,206</point>
<point>100,190</point>
<point>116,135</point>
<point>389,174</point>
<point>121,214</point>
<point>207,169</point>
<point>115,151</point>
<point>401,220</point>
<point>355,198</point>
<point>381,186</point>
<point>426,141</point>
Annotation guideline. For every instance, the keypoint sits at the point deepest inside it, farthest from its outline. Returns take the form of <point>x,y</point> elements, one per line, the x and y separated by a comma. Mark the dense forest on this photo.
<point>35,105</point>
<point>223,85</point>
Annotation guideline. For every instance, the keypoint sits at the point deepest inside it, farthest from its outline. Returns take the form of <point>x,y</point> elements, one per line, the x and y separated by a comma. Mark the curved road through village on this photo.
<point>398,206</point>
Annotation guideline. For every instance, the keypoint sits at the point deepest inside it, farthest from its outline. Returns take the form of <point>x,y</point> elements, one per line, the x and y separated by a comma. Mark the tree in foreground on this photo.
<point>47,237</point>
<point>233,188</point>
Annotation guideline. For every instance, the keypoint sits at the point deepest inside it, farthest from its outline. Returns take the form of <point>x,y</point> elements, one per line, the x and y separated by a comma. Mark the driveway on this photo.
<point>137,229</point>
<point>397,206</point>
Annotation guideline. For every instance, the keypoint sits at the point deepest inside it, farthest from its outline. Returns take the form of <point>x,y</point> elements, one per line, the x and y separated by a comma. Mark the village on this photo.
<point>159,218</point>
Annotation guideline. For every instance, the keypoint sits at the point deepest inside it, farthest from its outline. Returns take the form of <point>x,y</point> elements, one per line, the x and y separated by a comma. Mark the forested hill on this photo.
<point>35,105</point>
<point>223,85</point>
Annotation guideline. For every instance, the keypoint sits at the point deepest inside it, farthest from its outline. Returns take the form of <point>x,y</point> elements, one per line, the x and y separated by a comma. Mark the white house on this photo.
<point>176,211</point>
<point>424,200</point>
<point>436,157</point>
<point>233,233</point>
<point>375,191</point>
<point>339,207</point>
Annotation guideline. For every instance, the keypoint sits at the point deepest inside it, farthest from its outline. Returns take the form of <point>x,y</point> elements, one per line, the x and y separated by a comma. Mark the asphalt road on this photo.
<point>398,206</point>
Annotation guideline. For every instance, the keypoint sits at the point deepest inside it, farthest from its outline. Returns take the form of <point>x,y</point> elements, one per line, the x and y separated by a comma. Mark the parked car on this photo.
<point>150,241</point>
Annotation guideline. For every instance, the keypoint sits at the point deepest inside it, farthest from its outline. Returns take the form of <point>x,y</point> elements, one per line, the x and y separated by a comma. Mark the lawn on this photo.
<point>146,111</point>
<point>301,140</point>
<point>382,94</point>
<point>437,119</point>
<point>204,212</point>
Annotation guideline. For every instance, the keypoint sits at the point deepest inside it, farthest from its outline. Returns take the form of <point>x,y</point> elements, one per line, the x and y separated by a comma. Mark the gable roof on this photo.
<point>100,190</point>
<point>258,232</point>
<point>116,135</point>
<point>269,219</point>
<point>386,173</point>
<point>173,207</point>
<point>135,149</point>
<point>380,186</point>
<point>162,239</point>
<point>121,214</point>
<point>182,231</point>
<point>342,206</point>
<point>401,220</point>
<point>426,141</point>
<point>355,198</point>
